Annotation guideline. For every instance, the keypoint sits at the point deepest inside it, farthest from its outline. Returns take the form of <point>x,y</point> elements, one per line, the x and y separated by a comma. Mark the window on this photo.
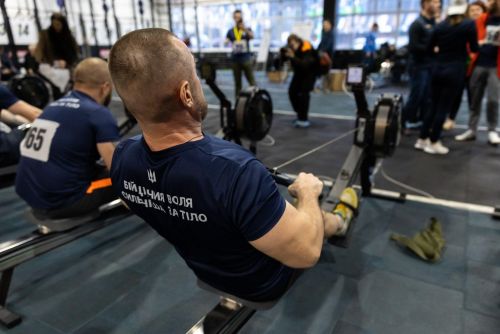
<point>215,18</point>
<point>355,18</point>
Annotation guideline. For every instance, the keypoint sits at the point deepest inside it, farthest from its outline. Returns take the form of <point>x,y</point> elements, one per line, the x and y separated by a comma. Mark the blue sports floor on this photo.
<point>125,279</point>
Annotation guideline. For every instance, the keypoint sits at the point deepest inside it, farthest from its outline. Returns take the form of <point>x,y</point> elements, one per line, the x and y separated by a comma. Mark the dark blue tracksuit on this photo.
<point>448,75</point>
<point>420,65</point>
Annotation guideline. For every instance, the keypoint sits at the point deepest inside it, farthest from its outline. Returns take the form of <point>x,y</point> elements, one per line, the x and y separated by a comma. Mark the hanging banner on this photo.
<point>265,44</point>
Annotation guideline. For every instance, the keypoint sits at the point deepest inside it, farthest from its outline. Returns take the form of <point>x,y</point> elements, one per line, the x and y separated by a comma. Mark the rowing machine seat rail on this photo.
<point>229,315</point>
<point>261,306</point>
<point>47,225</point>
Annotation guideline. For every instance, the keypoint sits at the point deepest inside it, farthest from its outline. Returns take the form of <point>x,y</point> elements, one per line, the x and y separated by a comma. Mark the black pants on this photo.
<point>300,97</point>
<point>246,68</point>
<point>458,101</point>
<point>9,147</point>
<point>418,103</point>
<point>87,204</point>
<point>447,84</point>
<point>294,276</point>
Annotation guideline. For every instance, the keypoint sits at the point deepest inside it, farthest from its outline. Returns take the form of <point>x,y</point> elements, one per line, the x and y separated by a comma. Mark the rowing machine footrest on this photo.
<point>9,319</point>
<point>47,225</point>
<point>260,306</point>
<point>344,241</point>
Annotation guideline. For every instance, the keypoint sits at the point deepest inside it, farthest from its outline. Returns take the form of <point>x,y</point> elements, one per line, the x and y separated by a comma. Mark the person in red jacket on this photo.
<point>474,11</point>
<point>485,75</point>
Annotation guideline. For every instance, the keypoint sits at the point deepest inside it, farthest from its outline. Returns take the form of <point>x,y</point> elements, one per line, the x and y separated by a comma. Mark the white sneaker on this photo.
<point>436,148</point>
<point>421,144</point>
<point>466,136</point>
<point>493,138</point>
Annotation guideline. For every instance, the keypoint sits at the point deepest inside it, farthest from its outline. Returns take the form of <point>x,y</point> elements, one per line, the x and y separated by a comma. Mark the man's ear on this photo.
<point>105,87</point>
<point>186,95</point>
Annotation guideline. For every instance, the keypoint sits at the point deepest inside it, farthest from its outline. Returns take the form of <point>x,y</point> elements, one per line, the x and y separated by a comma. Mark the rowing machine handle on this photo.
<point>283,180</point>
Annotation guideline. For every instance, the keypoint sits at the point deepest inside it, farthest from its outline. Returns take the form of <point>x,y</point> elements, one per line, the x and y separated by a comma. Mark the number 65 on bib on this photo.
<point>37,142</point>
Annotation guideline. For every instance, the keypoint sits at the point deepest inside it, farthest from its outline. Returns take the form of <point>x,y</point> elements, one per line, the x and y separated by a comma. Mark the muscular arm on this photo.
<point>297,239</point>
<point>106,151</point>
<point>25,110</point>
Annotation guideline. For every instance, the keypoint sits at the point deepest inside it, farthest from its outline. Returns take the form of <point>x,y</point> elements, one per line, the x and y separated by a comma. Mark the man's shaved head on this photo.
<point>92,72</point>
<point>150,68</point>
<point>92,77</point>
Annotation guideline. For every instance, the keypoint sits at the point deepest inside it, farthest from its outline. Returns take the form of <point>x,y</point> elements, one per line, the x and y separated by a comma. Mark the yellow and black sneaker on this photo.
<point>346,209</point>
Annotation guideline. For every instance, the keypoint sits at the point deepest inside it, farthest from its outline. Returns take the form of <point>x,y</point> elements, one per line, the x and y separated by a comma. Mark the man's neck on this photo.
<point>90,92</point>
<point>426,15</point>
<point>160,137</point>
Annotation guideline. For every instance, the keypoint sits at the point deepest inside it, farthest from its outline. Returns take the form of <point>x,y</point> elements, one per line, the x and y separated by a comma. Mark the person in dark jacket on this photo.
<point>304,60</point>
<point>420,64</point>
<point>56,44</point>
<point>452,40</point>
<point>326,44</point>
<point>326,47</point>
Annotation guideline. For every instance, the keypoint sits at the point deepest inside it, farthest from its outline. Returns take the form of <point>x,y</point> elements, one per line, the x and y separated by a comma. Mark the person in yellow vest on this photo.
<point>239,37</point>
<point>304,60</point>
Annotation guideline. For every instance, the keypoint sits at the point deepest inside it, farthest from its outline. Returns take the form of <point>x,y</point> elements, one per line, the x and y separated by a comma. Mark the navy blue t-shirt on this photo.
<point>241,48</point>
<point>7,99</point>
<point>208,198</point>
<point>59,153</point>
<point>488,53</point>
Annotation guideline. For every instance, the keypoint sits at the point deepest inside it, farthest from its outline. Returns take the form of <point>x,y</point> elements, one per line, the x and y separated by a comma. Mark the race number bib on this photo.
<point>36,145</point>
<point>493,35</point>
<point>240,47</point>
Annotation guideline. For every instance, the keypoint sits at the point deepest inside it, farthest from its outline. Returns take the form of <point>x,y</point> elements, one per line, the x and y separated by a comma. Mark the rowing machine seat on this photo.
<point>47,225</point>
<point>259,306</point>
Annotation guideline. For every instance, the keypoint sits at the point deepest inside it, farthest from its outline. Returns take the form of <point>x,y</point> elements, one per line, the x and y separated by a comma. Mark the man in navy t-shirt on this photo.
<point>57,175</point>
<point>10,139</point>
<point>212,199</point>
<point>239,36</point>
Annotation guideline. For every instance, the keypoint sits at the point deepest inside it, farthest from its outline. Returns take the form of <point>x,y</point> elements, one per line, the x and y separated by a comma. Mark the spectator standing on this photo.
<point>452,39</point>
<point>239,36</point>
<point>56,44</point>
<point>420,65</point>
<point>485,77</point>
<point>474,11</point>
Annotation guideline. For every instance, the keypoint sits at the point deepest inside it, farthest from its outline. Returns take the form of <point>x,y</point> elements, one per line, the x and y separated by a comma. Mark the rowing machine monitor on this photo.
<point>356,76</point>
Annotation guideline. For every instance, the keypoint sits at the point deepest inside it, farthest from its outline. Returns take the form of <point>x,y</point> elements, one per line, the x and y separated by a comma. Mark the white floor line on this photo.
<point>326,116</point>
<point>346,118</point>
<point>285,91</point>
